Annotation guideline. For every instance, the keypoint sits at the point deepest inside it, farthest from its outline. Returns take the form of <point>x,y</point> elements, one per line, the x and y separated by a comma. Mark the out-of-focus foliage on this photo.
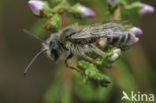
<point>2,2</point>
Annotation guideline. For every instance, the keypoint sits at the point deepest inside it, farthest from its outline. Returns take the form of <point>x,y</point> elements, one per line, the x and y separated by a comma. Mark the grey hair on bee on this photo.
<point>38,54</point>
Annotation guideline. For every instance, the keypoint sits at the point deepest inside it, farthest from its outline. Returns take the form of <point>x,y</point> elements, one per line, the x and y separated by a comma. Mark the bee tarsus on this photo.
<point>67,59</point>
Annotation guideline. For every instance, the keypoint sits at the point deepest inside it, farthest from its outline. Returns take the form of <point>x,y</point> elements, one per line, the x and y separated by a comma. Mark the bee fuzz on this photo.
<point>136,31</point>
<point>86,12</point>
<point>37,7</point>
<point>115,55</point>
<point>147,9</point>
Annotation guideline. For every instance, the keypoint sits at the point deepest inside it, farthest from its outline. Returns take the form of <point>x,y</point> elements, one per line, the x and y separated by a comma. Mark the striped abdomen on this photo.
<point>121,40</point>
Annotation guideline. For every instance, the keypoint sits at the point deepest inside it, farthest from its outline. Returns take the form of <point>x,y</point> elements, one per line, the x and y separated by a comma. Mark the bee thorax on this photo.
<point>78,48</point>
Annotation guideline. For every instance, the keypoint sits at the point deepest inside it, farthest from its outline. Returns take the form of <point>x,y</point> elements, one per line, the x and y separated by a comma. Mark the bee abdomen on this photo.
<point>119,40</point>
<point>113,40</point>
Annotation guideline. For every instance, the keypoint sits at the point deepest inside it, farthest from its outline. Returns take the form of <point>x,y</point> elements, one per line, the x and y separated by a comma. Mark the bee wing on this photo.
<point>110,32</point>
<point>109,29</point>
<point>110,23</point>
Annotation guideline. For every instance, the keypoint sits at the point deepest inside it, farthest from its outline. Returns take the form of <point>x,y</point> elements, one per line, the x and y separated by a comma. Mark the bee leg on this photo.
<point>98,51</point>
<point>67,65</point>
<point>87,57</point>
<point>67,59</point>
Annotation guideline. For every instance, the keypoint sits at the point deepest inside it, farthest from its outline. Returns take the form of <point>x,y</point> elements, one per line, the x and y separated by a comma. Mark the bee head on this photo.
<point>55,49</point>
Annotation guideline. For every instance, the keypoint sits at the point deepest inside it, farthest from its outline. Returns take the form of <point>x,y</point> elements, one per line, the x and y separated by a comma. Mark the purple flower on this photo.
<point>147,9</point>
<point>37,7</point>
<point>136,31</point>
<point>86,12</point>
<point>112,2</point>
<point>117,51</point>
<point>136,41</point>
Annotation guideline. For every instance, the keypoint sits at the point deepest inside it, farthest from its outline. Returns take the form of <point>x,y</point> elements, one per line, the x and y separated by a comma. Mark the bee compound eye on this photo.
<point>54,54</point>
<point>50,44</point>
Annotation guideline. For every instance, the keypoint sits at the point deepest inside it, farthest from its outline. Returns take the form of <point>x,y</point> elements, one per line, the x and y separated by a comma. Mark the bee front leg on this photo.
<point>67,64</point>
<point>67,59</point>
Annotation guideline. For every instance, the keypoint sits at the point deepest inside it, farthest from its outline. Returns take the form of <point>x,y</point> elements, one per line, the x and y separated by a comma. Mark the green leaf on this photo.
<point>92,73</point>
<point>54,24</point>
<point>105,60</point>
<point>47,10</point>
<point>54,2</point>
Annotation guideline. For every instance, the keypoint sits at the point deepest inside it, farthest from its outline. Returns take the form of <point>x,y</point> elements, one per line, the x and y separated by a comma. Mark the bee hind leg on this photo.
<point>98,51</point>
<point>88,58</point>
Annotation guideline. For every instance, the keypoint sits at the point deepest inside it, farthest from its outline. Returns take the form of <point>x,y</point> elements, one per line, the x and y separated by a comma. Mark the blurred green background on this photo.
<point>17,49</point>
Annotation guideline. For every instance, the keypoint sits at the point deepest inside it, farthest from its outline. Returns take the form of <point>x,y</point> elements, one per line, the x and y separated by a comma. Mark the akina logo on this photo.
<point>137,97</point>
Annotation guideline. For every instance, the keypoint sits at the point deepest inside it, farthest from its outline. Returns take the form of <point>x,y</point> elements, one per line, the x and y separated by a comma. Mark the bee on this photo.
<point>79,40</point>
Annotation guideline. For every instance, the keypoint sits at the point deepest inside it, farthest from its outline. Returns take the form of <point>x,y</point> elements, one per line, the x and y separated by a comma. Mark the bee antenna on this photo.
<point>33,35</point>
<point>34,58</point>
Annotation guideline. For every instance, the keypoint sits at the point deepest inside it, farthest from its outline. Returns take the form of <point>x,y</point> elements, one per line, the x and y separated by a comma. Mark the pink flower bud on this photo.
<point>136,41</point>
<point>101,42</point>
<point>147,9</point>
<point>115,55</point>
<point>136,31</point>
<point>117,51</point>
<point>37,7</point>
<point>86,12</point>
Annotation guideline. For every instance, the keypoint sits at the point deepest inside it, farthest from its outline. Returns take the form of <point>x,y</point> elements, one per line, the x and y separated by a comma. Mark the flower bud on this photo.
<point>115,55</point>
<point>101,42</point>
<point>136,31</point>
<point>37,7</point>
<point>82,11</point>
<point>146,9</point>
<point>136,41</point>
<point>86,12</point>
<point>117,51</point>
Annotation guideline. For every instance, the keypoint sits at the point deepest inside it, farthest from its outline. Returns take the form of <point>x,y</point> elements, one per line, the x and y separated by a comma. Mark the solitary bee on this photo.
<point>79,40</point>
